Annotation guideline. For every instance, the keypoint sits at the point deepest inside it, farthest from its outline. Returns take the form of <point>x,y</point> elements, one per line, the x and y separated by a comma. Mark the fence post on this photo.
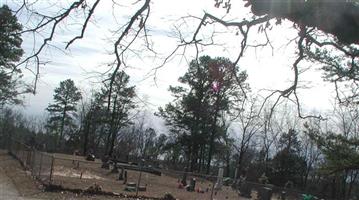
<point>33,161</point>
<point>23,156</point>
<point>212,190</point>
<point>52,168</point>
<point>40,168</point>
<point>139,177</point>
<point>10,145</point>
<point>18,152</point>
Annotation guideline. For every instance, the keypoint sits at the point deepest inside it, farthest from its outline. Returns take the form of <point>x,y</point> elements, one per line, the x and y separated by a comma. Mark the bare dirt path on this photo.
<point>7,188</point>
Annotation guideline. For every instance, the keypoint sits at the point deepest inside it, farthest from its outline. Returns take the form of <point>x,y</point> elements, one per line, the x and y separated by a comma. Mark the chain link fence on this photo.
<point>40,164</point>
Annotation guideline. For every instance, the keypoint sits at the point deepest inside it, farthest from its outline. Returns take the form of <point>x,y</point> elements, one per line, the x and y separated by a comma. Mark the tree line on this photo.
<point>213,121</point>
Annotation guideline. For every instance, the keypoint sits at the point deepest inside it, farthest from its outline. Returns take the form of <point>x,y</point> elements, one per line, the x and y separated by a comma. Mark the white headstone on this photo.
<point>219,182</point>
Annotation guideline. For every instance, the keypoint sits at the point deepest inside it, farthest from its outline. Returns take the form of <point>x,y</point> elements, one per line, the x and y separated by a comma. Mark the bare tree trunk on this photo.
<point>213,132</point>
<point>227,164</point>
<point>112,127</point>
<point>353,177</point>
<point>86,135</point>
<point>62,126</point>
<point>112,144</point>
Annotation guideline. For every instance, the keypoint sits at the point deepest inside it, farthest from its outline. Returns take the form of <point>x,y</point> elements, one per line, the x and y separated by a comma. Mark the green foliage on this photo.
<point>119,99</point>
<point>290,142</point>
<point>341,152</point>
<point>93,121</point>
<point>213,87</point>
<point>10,53</point>
<point>287,165</point>
<point>63,110</point>
<point>14,125</point>
<point>119,102</point>
<point>336,67</point>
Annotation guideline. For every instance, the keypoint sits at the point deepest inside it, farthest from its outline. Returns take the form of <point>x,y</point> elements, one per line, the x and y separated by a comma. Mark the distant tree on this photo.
<point>310,151</point>
<point>287,165</point>
<point>214,87</point>
<point>160,144</point>
<point>119,98</point>
<point>269,135</point>
<point>149,148</point>
<point>92,121</point>
<point>7,125</point>
<point>340,147</point>
<point>248,126</point>
<point>63,110</point>
<point>10,53</point>
<point>290,142</point>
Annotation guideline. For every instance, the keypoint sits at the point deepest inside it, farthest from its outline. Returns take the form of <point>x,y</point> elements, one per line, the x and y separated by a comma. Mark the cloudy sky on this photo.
<point>87,58</point>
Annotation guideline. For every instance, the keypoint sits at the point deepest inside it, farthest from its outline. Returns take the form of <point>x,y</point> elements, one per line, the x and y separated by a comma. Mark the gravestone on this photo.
<point>105,162</point>
<point>115,168</point>
<point>265,193</point>
<point>130,189</point>
<point>90,157</point>
<point>142,188</point>
<point>168,196</point>
<point>245,189</point>
<point>120,177</point>
<point>105,165</point>
<point>235,179</point>
<point>192,185</point>
<point>131,184</point>
<point>125,178</point>
<point>283,195</point>
<point>219,182</point>
<point>184,177</point>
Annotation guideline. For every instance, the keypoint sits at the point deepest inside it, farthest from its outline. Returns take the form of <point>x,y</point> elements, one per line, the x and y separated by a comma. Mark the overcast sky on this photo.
<point>267,68</point>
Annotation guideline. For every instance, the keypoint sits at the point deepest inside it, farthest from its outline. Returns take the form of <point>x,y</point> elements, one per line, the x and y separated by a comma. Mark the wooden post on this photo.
<point>23,159</point>
<point>212,190</point>
<point>40,165</point>
<point>32,161</point>
<point>184,177</point>
<point>139,177</point>
<point>125,178</point>
<point>120,177</point>
<point>52,168</point>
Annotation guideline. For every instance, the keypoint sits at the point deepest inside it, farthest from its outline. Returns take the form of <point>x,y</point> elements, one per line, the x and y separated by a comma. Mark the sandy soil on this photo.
<point>20,186</point>
<point>68,175</point>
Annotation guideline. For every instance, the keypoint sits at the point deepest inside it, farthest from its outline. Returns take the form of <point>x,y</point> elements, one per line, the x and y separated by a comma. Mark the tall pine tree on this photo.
<point>10,53</point>
<point>63,110</point>
<point>213,86</point>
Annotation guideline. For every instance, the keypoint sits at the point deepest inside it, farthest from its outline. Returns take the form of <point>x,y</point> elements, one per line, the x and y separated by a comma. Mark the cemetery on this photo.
<point>75,173</point>
<point>125,180</point>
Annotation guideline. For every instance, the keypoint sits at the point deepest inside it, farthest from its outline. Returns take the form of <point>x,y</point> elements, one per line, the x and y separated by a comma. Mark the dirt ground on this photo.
<point>30,189</point>
<point>81,175</point>
<point>67,173</point>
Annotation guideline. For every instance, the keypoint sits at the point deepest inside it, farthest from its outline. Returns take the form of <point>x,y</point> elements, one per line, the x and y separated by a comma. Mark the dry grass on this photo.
<point>22,180</point>
<point>31,189</point>
<point>67,173</point>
